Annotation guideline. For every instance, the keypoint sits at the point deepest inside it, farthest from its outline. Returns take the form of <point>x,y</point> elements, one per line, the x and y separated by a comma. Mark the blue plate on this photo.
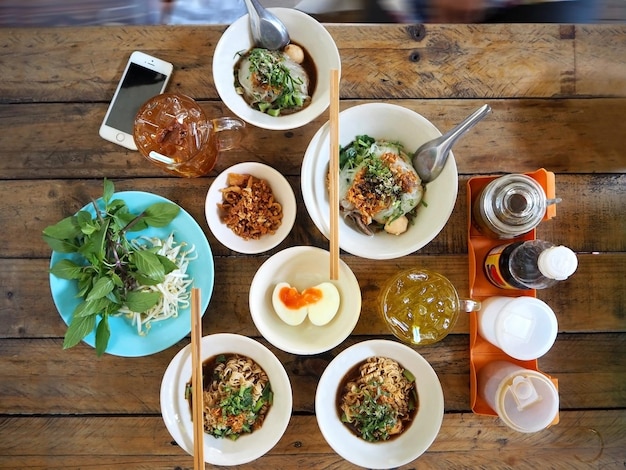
<point>124,340</point>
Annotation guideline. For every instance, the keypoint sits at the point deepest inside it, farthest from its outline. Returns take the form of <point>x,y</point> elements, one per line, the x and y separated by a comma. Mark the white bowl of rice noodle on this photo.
<point>235,362</point>
<point>386,363</point>
<point>395,125</point>
<point>320,56</point>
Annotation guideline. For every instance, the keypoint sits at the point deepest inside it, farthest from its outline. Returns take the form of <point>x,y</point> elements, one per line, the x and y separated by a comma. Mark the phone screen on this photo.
<point>138,86</point>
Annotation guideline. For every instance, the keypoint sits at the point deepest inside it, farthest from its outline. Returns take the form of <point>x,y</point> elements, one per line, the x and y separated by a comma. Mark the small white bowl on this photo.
<point>394,123</point>
<point>302,267</point>
<point>283,194</point>
<point>305,31</point>
<point>177,412</point>
<point>409,445</point>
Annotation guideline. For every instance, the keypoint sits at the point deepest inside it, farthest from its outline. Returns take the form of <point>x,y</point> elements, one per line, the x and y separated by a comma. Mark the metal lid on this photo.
<point>513,204</point>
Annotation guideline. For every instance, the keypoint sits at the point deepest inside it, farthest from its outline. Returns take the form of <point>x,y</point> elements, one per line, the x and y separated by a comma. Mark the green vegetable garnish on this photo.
<point>111,268</point>
<point>277,86</point>
<point>374,417</point>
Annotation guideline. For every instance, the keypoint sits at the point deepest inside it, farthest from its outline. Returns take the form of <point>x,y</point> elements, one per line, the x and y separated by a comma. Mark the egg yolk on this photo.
<point>295,300</point>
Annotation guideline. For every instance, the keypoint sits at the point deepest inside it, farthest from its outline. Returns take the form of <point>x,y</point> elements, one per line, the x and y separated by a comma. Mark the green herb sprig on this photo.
<point>111,268</point>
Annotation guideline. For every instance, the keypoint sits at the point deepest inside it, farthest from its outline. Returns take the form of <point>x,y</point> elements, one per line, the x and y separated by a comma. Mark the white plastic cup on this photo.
<point>525,400</point>
<point>525,328</point>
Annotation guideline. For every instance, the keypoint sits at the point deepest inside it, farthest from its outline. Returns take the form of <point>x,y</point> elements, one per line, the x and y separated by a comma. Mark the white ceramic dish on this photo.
<point>390,122</point>
<point>399,451</point>
<point>305,31</point>
<point>302,267</point>
<point>283,193</point>
<point>177,413</point>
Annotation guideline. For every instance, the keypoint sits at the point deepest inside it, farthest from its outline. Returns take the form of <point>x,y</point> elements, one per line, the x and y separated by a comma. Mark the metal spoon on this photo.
<point>430,158</point>
<point>268,31</point>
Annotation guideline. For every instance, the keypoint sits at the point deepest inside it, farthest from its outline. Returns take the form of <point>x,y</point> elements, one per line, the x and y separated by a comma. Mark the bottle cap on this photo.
<point>526,328</point>
<point>528,401</point>
<point>557,262</point>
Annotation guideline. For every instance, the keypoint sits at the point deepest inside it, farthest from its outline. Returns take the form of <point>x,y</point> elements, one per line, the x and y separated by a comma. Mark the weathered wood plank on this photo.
<point>378,61</point>
<point>582,439</point>
<point>39,377</point>
<point>589,219</point>
<point>592,300</point>
<point>566,136</point>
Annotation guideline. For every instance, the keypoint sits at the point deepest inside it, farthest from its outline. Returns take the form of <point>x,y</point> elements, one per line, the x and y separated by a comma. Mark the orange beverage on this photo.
<point>172,132</point>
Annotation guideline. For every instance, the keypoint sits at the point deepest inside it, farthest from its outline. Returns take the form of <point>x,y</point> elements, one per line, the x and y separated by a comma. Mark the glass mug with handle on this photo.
<point>421,306</point>
<point>172,131</point>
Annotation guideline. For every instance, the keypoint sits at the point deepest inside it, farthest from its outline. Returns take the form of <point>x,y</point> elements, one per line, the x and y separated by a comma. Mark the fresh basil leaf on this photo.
<point>87,224</point>
<point>168,264</point>
<point>145,280</point>
<point>94,244</point>
<point>160,214</point>
<point>78,328</point>
<point>92,307</point>
<point>101,288</point>
<point>66,269</point>
<point>148,264</point>
<point>66,229</point>
<point>103,333</point>
<point>108,190</point>
<point>60,246</point>
<point>141,301</point>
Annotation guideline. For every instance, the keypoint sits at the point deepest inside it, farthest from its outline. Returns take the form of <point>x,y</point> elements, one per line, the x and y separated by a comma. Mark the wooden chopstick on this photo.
<point>334,174</point>
<point>196,380</point>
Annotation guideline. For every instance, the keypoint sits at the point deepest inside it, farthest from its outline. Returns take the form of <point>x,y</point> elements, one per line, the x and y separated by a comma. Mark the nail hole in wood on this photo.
<point>417,31</point>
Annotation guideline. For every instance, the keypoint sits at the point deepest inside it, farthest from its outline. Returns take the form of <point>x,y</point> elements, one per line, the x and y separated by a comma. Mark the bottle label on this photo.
<point>492,268</point>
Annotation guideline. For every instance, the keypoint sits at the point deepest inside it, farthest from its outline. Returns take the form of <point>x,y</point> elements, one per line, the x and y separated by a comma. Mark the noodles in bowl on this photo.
<point>409,432</point>
<point>239,363</point>
<point>378,400</point>
<point>236,395</point>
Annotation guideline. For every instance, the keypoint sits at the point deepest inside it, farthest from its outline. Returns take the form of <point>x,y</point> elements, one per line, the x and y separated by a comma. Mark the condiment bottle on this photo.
<point>509,206</point>
<point>532,264</point>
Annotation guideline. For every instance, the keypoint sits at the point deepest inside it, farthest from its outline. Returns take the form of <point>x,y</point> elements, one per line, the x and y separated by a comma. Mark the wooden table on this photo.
<point>558,94</point>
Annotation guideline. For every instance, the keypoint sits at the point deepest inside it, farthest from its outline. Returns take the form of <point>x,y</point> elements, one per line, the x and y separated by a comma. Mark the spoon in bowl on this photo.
<point>430,158</point>
<point>268,31</point>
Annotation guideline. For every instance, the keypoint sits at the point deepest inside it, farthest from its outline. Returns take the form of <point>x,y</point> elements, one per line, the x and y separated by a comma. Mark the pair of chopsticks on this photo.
<point>196,380</point>
<point>334,174</point>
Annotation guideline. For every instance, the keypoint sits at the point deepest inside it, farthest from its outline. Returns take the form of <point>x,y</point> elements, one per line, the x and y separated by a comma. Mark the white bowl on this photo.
<point>177,413</point>
<point>305,31</point>
<point>283,194</point>
<point>302,267</point>
<point>390,122</point>
<point>409,445</point>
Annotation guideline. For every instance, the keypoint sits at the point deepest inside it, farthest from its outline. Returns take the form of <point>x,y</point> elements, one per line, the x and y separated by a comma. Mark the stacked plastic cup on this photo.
<point>524,328</point>
<point>525,400</point>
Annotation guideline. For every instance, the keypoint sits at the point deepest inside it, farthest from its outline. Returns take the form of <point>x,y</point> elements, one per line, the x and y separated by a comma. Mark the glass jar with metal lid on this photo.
<point>510,206</point>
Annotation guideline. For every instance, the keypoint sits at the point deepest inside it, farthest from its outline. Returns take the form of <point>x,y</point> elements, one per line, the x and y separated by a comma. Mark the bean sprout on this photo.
<point>174,289</point>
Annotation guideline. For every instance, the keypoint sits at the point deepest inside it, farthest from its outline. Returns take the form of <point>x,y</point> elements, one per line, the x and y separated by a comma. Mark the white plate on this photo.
<point>414,441</point>
<point>305,31</point>
<point>302,267</point>
<point>283,193</point>
<point>177,412</point>
<point>380,121</point>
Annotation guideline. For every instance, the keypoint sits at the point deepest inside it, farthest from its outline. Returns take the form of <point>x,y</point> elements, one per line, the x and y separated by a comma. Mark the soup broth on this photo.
<point>377,399</point>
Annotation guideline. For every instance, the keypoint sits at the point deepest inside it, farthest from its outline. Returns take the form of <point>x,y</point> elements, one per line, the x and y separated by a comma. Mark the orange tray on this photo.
<point>481,351</point>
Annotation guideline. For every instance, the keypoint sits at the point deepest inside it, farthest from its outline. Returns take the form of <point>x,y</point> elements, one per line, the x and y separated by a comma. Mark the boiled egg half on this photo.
<point>320,303</point>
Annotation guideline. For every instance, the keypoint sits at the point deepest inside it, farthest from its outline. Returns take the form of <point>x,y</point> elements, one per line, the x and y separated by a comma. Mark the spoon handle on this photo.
<point>255,20</point>
<point>452,135</point>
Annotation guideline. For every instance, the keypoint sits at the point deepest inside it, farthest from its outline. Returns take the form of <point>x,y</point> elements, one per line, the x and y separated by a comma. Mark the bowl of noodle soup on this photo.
<point>387,364</point>
<point>321,54</point>
<point>244,364</point>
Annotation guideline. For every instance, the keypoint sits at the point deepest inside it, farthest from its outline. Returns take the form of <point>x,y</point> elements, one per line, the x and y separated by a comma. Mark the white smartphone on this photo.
<point>144,77</point>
